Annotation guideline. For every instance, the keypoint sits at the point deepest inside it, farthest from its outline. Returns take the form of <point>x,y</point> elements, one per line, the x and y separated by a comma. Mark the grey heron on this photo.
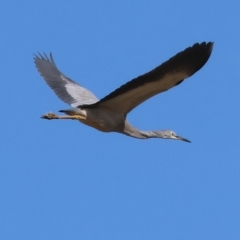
<point>109,114</point>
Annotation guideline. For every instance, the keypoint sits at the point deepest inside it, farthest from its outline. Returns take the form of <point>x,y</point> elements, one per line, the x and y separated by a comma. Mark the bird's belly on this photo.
<point>104,120</point>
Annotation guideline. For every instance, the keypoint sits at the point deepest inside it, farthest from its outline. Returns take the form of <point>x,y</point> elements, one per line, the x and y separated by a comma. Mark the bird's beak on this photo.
<point>183,139</point>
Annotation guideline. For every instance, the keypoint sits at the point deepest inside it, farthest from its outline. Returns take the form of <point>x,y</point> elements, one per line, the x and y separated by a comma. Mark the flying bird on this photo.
<point>109,114</point>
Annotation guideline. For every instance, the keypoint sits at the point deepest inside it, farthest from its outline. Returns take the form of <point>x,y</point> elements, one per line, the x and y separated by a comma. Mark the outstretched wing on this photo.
<point>160,79</point>
<point>65,88</point>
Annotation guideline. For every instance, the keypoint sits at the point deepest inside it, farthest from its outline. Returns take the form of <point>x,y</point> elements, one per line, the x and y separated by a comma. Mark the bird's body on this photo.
<point>104,120</point>
<point>109,114</point>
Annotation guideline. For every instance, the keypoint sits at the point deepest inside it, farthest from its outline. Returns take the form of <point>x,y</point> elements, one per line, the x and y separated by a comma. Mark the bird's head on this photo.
<point>168,134</point>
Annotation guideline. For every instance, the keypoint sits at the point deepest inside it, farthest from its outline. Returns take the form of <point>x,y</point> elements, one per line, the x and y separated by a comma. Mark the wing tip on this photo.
<point>208,46</point>
<point>43,57</point>
<point>200,52</point>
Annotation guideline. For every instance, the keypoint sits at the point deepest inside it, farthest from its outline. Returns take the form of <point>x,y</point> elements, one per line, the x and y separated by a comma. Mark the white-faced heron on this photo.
<point>109,114</point>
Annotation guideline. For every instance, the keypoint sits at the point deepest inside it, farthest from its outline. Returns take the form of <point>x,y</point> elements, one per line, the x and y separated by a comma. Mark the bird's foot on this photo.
<point>49,116</point>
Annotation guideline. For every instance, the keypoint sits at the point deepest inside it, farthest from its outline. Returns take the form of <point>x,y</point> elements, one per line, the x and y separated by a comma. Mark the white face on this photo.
<point>168,134</point>
<point>173,135</point>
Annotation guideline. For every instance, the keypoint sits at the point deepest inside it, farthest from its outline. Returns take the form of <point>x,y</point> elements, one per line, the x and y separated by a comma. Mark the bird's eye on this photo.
<point>173,134</point>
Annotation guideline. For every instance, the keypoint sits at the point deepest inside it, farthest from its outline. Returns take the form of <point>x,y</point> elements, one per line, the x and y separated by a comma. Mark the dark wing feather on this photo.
<point>160,79</point>
<point>66,89</point>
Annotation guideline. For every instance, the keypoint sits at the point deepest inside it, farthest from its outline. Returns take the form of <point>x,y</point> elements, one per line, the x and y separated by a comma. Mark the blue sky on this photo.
<point>63,180</point>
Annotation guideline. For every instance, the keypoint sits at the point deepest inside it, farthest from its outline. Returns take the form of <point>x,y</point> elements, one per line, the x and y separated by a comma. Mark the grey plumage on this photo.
<point>109,113</point>
<point>66,89</point>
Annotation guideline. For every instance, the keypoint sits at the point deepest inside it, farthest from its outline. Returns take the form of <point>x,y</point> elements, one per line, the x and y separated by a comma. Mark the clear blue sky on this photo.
<point>63,180</point>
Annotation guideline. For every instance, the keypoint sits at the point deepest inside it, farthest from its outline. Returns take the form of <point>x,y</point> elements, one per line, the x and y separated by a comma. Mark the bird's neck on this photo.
<point>131,131</point>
